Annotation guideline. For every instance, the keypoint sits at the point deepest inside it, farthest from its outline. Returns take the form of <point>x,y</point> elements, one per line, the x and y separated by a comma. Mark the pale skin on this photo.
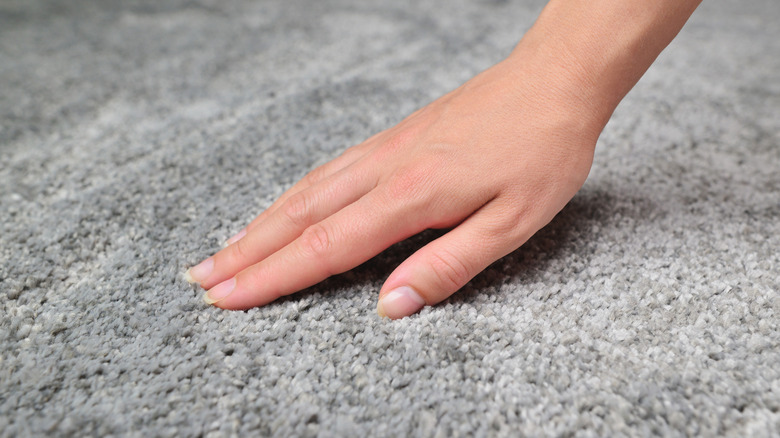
<point>492,161</point>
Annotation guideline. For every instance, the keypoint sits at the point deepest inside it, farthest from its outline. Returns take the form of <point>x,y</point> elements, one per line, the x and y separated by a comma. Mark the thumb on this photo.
<point>443,266</point>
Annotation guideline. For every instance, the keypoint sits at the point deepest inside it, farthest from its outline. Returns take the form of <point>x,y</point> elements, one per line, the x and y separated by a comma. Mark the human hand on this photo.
<point>494,160</point>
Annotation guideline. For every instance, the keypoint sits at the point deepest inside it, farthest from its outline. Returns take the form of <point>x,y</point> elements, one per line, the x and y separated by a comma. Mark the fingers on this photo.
<point>334,245</point>
<point>313,177</point>
<point>443,266</point>
<point>285,224</point>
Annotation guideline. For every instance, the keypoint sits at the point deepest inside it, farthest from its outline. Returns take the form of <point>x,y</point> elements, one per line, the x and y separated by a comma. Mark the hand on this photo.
<point>495,160</point>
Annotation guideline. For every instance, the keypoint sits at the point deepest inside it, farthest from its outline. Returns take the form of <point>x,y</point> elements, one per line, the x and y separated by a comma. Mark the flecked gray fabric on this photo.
<point>136,136</point>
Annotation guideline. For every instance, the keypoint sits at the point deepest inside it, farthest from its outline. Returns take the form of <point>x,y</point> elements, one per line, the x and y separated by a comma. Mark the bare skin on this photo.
<point>494,160</point>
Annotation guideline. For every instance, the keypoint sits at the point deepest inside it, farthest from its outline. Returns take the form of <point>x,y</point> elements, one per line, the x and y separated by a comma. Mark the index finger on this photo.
<point>313,177</point>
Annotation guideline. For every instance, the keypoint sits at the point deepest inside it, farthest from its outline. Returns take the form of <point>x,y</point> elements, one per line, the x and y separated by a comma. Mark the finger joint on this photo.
<point>452,272</point>
<point>314,176</point>
<point>316,243</point>
<point>297,210</point>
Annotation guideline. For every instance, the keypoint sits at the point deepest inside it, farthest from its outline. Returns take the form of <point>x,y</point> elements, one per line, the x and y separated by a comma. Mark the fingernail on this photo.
<point>220,291</point>
<point>236,238</point>
<point>197,274</point>
<point>400,302</point>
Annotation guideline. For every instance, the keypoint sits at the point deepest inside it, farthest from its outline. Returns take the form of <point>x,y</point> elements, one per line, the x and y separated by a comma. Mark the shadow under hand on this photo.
<point>572,231</point>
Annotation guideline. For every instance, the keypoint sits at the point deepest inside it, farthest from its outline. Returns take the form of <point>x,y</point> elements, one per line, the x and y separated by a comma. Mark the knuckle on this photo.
<point>393,144</point>
<point>297,209</point>
<point>408,184</point>
<point>511,223</point>
<point>239,250</point>
<point>451,272</point>
<point>428,175</point>
<point>352,152</point>
<point>314,176</point>
<point>316,242</point>
<point>520,221</point>
<point>397,141</point>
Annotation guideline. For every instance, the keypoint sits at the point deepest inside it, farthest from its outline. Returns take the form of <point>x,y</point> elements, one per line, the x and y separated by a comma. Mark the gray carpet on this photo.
<point>136,136</point>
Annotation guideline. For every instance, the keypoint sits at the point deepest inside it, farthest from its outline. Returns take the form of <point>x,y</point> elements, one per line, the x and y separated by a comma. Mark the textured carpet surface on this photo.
<point>135,136</point>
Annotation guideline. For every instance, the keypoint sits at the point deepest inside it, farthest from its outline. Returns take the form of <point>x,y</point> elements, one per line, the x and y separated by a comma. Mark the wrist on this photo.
<point>593,52</point>
<point>560,92</point>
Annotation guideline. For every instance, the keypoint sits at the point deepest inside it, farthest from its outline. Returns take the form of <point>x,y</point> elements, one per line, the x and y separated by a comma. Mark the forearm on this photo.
<point>595,51</point>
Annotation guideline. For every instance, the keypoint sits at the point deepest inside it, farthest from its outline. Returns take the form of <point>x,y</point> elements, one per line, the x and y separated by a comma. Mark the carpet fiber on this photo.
<point>135,136</point>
